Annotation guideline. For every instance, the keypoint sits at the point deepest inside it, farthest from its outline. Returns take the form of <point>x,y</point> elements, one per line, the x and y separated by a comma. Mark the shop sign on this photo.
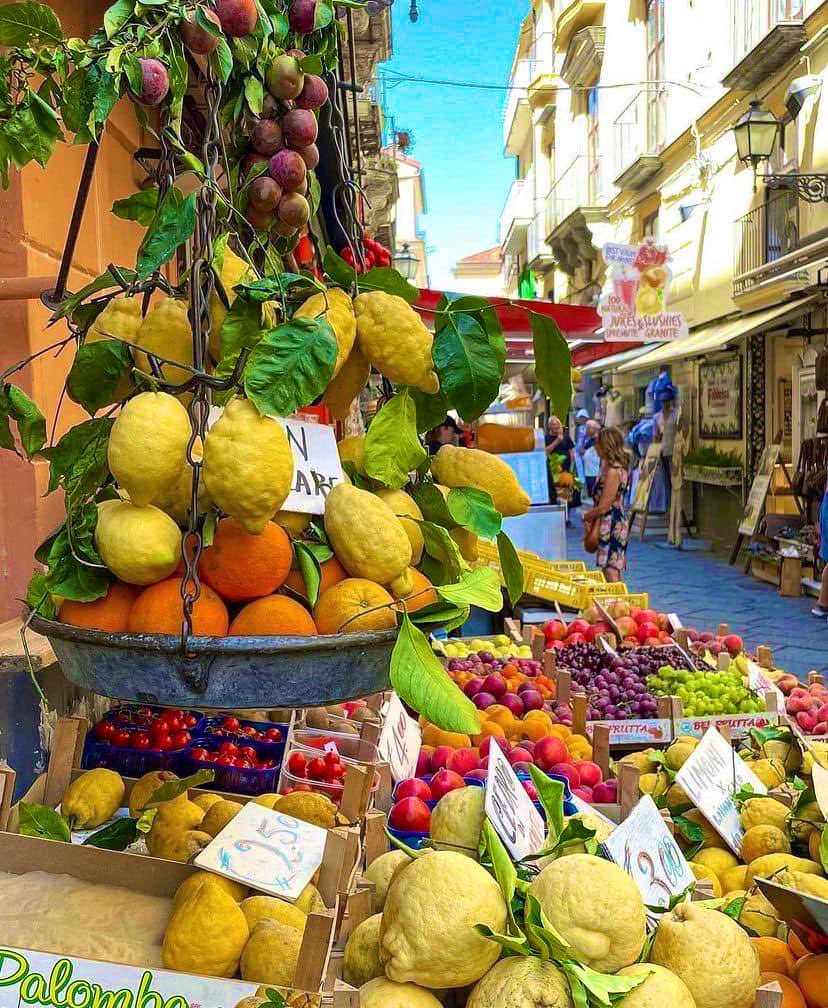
<point>633,305</point>
<point>41,978</point>
<point>400,741</point>
<point>737,724</point>
<point>510,809</point>
<point>759,491</point>
<point>720,398</point>
<point>711,776</point>
<point>266,850</point>
<point>645,731</point>
<point>643,846</point>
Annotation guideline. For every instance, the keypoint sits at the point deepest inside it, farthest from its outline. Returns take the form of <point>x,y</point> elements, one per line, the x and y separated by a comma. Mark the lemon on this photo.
<point>233,271</point>
<point>767,865</point>
<point>309,901</point>
<point>804,882</point>
<point>805,820</point>
<point>271,954</point>
<point>206,934</point>
<point>470,467</point>
<point>258,908</point>
<point>661,988</point>
<point>759,915</point>
<point>361,961</point>
<point>147,442</point>
<point>734,878</point>
<point>140,545</point>
<point>457,819</point>
<point>172,821</point>
<point>521,982</point>
<point>381,871</point>
<point>771,772</point>
<point>178,497</point>
<point>336,308</point>
<point>248,465</point>
<point>703,873</point>
<point>384,993</point>
<point>717,859</point>
<point>368,538</point>
<point>144,788</point>
<point>166,332</point>
<point>219,815</point>
<point>405,508</point>
<point>764,812</point>
<point>466,543</point>
<point>761,840</point>
<point>352,449</point>
<point>121,319</point>
<point>393,337</point>
<point>428,923</point>
<point>316,809</point>
<point>235,890</point>
<point>679,752</point>
<point>710,837</point>
<point>292,522</point>
<point>93,798</point>
<point>348,383</point>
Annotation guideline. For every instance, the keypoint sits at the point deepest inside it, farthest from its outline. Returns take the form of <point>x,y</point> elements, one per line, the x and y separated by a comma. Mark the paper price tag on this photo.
<point>643,847</point>
<point>512,813</point>
<point>400,740</point>
<point>711,776</point>
<point>266,850</point>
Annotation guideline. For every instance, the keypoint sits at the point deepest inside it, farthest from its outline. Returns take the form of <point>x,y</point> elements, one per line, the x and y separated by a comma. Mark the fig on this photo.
<point>310,155</point>
<point>266,137</point>
<point>314,93</point>
<point>300,128</point>
<point>265,194</point>
<point>288,169</point>
<point>284,77</point>
<point>198,39</point>
<point>258,219</point>
<point>293,210</point>
<point>302,16</point>
<point>238,17</point>
<point>155,83</point>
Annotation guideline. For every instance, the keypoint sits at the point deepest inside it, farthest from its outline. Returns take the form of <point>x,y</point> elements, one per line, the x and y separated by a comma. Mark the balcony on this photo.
<point>574,206</point>
<point>638,138</point>
<point>517,216</point>
<point>538,254</point>
<point>517,115</point>
<point>545,82</point>
<point>584,56</point>
<point>573,17</point>
<point>763,236</point>
<point>766,34</point>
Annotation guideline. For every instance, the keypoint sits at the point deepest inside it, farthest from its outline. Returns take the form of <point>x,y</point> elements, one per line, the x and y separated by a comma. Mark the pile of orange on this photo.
<point>498,721</point>
<point>249,588</point>
<point>803,977</point>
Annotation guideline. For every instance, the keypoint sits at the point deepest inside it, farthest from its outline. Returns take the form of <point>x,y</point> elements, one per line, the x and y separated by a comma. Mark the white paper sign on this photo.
<point>400,740</point>
<point>267,850</point>
<point>643,846</point>
<point>317,466</point>
<point>512,813</point>
<point>711,776</point>
<point>23,971</point>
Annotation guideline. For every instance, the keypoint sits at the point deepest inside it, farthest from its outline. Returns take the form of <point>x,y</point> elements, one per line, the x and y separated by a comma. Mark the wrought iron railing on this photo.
<point>640,128</point>
<point>581,184</point>
<point>753,19</point>
<point>764,235</point>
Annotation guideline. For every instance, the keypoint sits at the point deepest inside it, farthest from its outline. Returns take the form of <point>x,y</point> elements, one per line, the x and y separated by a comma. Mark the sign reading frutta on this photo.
<point>633,306</point>
<point>510,809</point>
<point>400,740</point>
<point>643,731</point>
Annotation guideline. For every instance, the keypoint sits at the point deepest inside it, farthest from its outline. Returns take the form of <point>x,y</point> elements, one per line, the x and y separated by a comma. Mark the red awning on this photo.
<point>575,321</point>
<point>595,351</point>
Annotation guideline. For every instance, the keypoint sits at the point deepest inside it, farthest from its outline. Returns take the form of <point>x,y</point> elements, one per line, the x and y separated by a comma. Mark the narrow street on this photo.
<point>705,591</point>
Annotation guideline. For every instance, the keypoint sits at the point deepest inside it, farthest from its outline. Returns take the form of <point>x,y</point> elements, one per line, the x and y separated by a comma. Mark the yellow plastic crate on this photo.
<point>590,577</point>
<point>539,577</point>
<point>638,600</point>
<point>614,589</point>
<point>569,566</point>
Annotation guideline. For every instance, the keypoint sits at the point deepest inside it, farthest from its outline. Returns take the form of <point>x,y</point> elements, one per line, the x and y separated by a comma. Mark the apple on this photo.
<point>605,793</point>
<point>519,755</point>
<point>410,815</point>
<point>412,788</point>
<point>444,781</point>
<point>595,629</point>
<point>481,773</point>
<point>566,770</point>
<point>550,751</point>
<point>787,683</point>
<point>439,757</point>
<point>576,638</point>
<point>806,721</point>
<point>424,761</point>
<point>462,761</point>
<point>578,626</point>
<point>647,629</point>
<point>734,644</point>
<point>645,616</point>
<point>589,772</point>
<point>554,630</point>
<point>584,793</point>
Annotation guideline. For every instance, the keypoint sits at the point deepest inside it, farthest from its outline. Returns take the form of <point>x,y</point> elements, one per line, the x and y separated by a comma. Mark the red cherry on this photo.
<point>180,739</point>
<point>297,764</point>
<point>317,769</point>
<point>121,738</point>
<point>104,730</point>
<point>140,740</point>
<point>199,753</point>
<point>228,749</point>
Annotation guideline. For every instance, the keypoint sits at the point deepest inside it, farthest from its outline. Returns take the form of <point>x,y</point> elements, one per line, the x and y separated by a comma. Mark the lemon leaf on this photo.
<point>290,366</point>
<point>96,372</point>
<point>392,448</point>
<point>469,373</point>
<point>511,567</point>
<point>42,821</point>
<point>117,835</point>
<point>479,587</point>
<point>440,546</point>
<point>473,509</point>
<point>310,569</point>
<point>553,363</point>
<point>433,505</point>
<point>421,681</point>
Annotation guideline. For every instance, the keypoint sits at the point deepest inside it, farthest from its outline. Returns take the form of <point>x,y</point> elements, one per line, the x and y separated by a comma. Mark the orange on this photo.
<point>791,994</point>
<point>110,613</point>
<point>795,945</point>
<point>274,616</point>
<point>421,595</point>
<point>355,605</point>
<point>812,976</point>
<point>332,573</point>
<point>774,955</point>
<point>241,566</point>
<point>160,610</point>
<point>434,736</point>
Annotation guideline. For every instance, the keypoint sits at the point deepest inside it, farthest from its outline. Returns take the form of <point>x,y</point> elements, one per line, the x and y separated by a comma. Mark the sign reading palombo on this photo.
<point>633,305</point>
<point>39,978</point>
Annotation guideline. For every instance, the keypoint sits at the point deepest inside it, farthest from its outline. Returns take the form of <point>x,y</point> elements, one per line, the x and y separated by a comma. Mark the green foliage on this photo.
<point>172,789</point>
<point>38,597</point>
<point>432,504</point>
<point>78,462</point>
<point>704,456</point>
<point>74,569</point>
<point>392,448</point>
<point>242,329</point>
<point>431,409</point>
<point>553,363</point>
<point>141,206</point>
<point>473,509</point>
<point>443,549</point>
<point>308,564</point>
<point>43,822</point>
<point>118,835</point>
<point>27,24</point>
<point>480,309</point>
<point>469,374</point>
<point>511,567</point>
<point>479,587</point>
<point>421,681</point>
<point>96,372</point>
<point>31,426</point>
<point>172,225</point>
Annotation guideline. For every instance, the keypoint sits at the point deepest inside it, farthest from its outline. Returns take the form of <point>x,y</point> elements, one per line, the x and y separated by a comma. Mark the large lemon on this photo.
<point>521,982</point>
<point>206,934</point>
<point>405,508</point>
<point>248,465</point>
<point>147,444</point>
<point>233,271</point>
<point>140,545</point>
<point>661,988</point>
<point>348,383</point>
<point>166,332</point>
<point>121,319</point>
<point>469,467</point>
<point>336,308</point>
<point>393,337</point>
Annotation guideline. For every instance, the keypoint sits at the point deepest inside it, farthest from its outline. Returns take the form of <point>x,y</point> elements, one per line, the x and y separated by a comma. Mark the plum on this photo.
<point>314,93</point>
<point>257,219</point>
<point>483,700</point>
<point>270,107</point>
<point>266,137</point>
<point>238,17</point>
<point>265,194</point>
<point>310,155</point>
<point>300,128</point>
<point>302,16</point>
<point>282,230</point>
<point>284,77</point>
<point>155,83</point>
<point>293,210</point>
<point>197,39</point>
<point>288,169</point>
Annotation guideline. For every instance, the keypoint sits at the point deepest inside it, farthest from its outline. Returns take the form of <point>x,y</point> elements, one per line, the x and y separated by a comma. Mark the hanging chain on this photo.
<point>202,284</point>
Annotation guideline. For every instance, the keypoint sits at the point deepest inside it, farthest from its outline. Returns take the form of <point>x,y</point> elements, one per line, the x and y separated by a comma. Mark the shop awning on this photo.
<point>614,360</point>
<point>716,335</point>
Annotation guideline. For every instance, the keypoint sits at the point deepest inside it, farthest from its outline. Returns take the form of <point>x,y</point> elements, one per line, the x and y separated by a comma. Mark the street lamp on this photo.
<point>406,262</point>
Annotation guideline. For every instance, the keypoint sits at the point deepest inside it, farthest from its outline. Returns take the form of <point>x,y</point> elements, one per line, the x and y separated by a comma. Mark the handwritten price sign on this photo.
<point>511,811</point>
<point>643,847</point>
<point>266,850</point>
<point>400,740</point>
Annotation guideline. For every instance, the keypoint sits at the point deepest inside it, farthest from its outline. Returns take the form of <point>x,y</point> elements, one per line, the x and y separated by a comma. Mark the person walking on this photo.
<point>665,427</point>
<point>608,508</point>
<point>592,463</point>
<point>558,445</point>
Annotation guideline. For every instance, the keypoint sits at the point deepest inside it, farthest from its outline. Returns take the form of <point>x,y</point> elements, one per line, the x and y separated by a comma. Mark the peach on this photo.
<point>197,39</point>
<point>238,17</point>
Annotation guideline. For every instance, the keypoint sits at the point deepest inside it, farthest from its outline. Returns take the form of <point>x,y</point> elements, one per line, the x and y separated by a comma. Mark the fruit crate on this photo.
<point>569,566</point>
<point>540,578</point>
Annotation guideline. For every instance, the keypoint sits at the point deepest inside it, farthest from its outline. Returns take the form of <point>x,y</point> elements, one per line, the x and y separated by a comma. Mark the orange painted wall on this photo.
<point>34,216</point>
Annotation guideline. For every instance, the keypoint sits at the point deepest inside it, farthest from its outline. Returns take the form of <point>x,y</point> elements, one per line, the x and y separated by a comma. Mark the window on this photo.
<point>655,75</point>
<point>649,226</point>
<point>593,148</point>
<point>753,19</point>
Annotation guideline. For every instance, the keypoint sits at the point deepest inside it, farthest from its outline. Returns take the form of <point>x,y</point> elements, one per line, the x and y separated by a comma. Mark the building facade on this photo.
<point>480,273</point>
<point>628,111</point>
<point>409,233</point>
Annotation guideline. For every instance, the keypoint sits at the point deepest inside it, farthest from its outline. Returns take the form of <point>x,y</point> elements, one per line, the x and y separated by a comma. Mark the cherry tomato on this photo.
<point>267,764</point>
<point>145,712</point>
<point>331,756</point>
<point>228,749</point>
<point>190,721</point>
<point>249,753</point>
<point>159,728</point>
<point>302,787</point>
<point>123,717</point>
<point>317,769</point>
<point>231,724</point>
<point>140,740</point>
<point>249,731</point>
<point>180,739</point>
<point>273,735</point>
<point>245,764</point>
<point>297,764</point>
<point>162,742</point>
<point>226,760</point>
<point>104,730</point>
<point>335,772</point>
<point>121,738</point>
<point>173,723</point>
<point>199,753</point>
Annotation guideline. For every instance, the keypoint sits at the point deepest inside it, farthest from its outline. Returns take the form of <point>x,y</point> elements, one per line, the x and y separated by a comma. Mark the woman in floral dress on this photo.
<point>609,504</point>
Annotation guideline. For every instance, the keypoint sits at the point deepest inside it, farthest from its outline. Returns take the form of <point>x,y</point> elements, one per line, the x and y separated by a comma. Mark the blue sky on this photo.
<point>458,132</point>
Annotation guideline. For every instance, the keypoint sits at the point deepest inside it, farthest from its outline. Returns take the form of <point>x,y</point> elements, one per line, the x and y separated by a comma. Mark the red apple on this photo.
<point>444,781</point>
<point>550,750</point>
<point>519,755</point>
<point>503,744</point>
<point>605,793</point>
<point>439,757</point>
<point>595,629</point>
<point>647,629</point>
<point>566,770</point>
<point>734,644</point>
<point>645,616</point>
<point>410,815</point>
<point>424,761</point>
<point>412,788</point>
<point>578,626</point>
<point>576,638</point>
<point>554,630</point>
<point>589,772</point>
